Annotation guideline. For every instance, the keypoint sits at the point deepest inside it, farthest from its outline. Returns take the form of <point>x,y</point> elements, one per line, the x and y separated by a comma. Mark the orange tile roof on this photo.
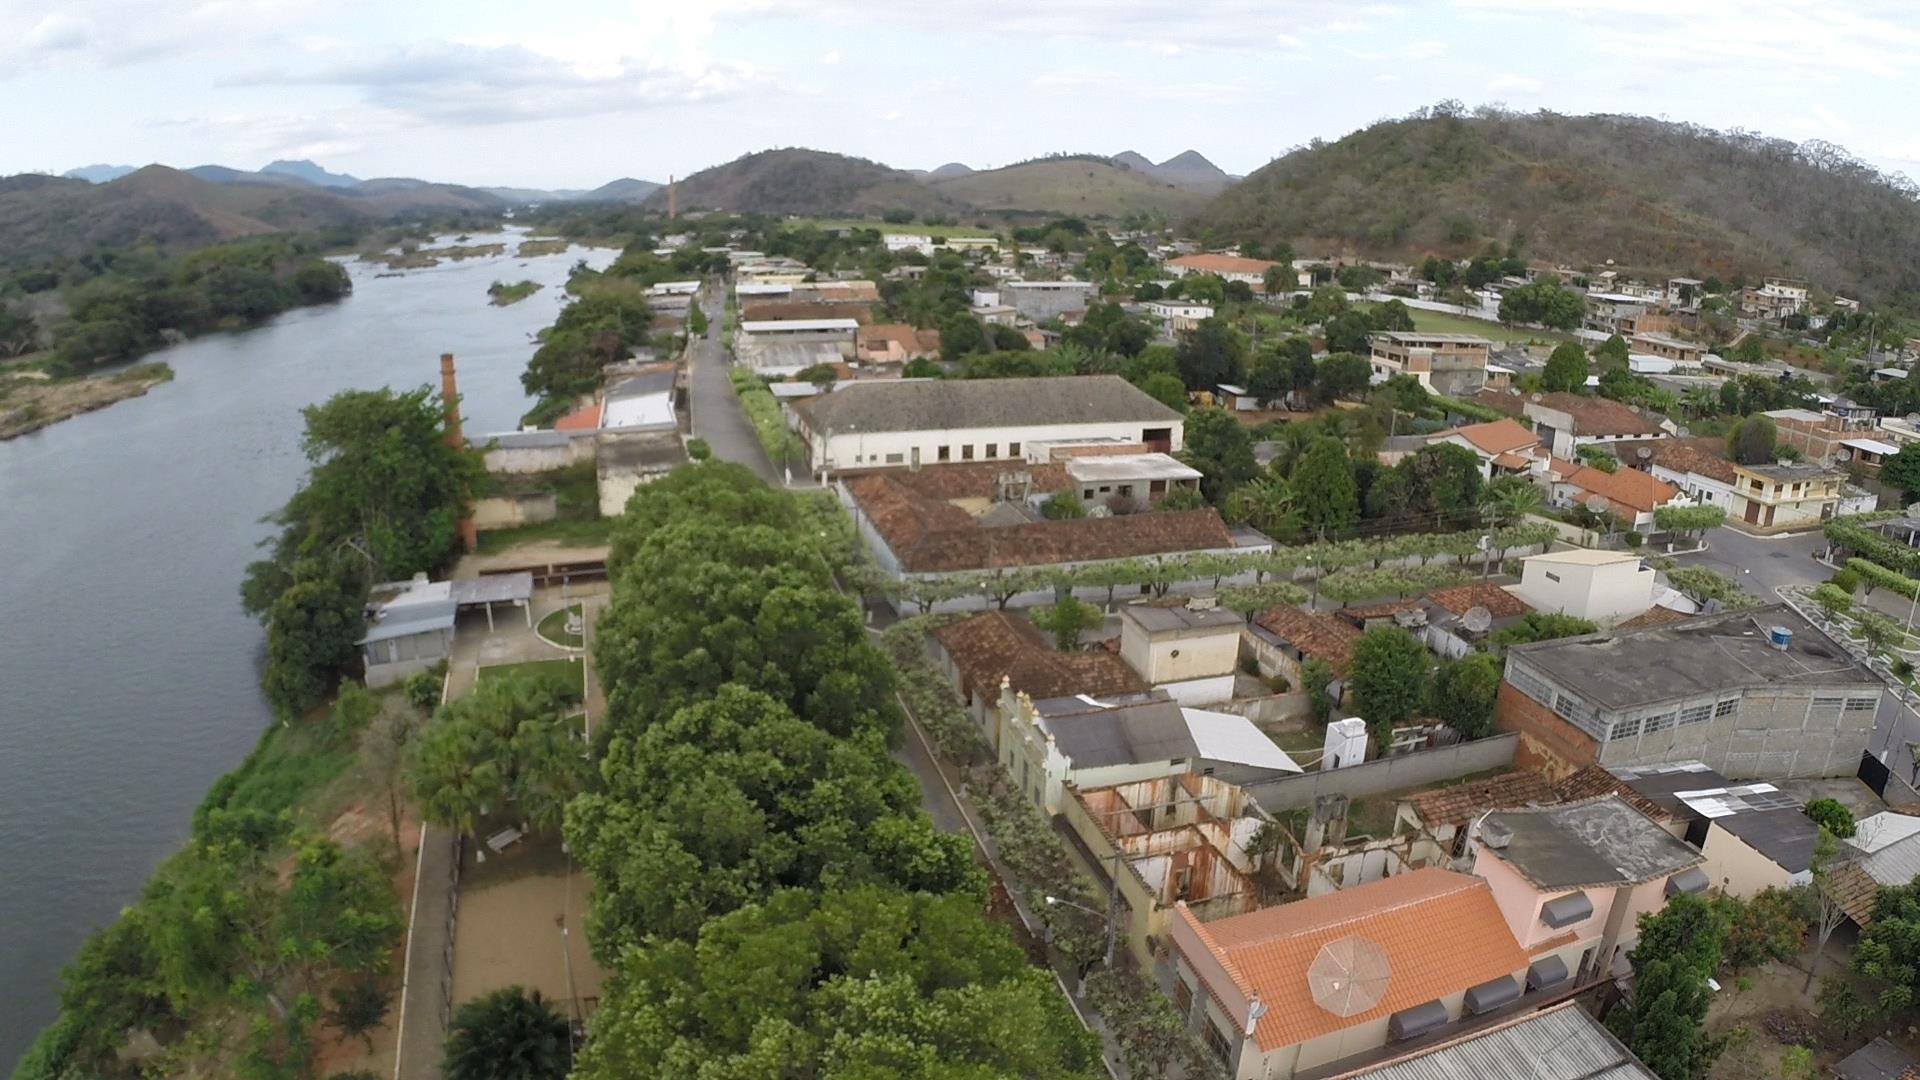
<point>1628,488</point>
<point>1493,437</point>
<point>1457,804</point>
<point>1594,781</point>
<point>1440,931</point>
<point>1317,635</point>
<point>993,645</point>
<point>1222,264</point>
<point>1499,603</point>
<point>587,419</point>
<point>1512,461</point>
<point>1654,616</point>
<point>1689,456</point>
<point>1601,416</point>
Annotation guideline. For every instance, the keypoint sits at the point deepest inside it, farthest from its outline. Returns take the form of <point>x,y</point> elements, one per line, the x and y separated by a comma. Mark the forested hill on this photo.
<point>795,181</point>
<point>1647,194</point>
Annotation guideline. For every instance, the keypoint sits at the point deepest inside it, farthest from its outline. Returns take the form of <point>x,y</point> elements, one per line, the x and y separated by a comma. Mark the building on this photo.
<point>1778,497</point>
<point>640,402</point>
<point>1604,586</point>
<point>1562,1042</point>
<point>1685,293</point>
<point>992,654</point>
<point>1189,651</point>
<point>410,623</point>
<point>1878,1060</point>
<point>1752,836</point>
<point>1180,839</point>
<point>911,423</point>
<point>1564,421</point>
<point>899,242</point>
<point>1505,447</point>
<point>1171,311</point>
<point>1776,298</point>
<point>1573,879</point>
<point>1044,300</point>
<point>894,343</point>
<point>1686,355</point>
<point>1283,638</point>
<point>1298,987</point>
<point>1830,436</point>
<point>1226,267</point>
<point>1886,849</point>
<point>625,461</point>
<point>1696,467</point>
<point>1127,482</point>
<point>1753,694</point>
<point>1442,815</point>
<point>1454,365</point>
<point>789,346</point>
<point>1052,746</point>
<point>1628,495</point>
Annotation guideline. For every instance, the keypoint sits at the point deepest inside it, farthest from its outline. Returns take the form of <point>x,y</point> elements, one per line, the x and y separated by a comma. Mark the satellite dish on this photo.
<point>1843,455</point>
<point>1534,397</point>
<point>1477,620</point>
<point>1645,453</point>
<point>1349,976</point>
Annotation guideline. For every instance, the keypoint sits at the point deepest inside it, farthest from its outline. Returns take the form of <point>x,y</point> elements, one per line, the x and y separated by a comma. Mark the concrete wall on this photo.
<point>1602,593</point>
<point>1209,691</point>
<point>511,511</point>
<point>1773,733</point>
<point>538,459</point>
<point>1180,657</point>
<point>1386,774</point>
<point>1737,869</point>
<point>853,449</point>
<point>1043,304</point>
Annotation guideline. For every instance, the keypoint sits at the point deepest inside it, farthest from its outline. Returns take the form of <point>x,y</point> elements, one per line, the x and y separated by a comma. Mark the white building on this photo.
<point>673,288</point>
<point>1043,300</point>
<point>899,242</point>
<point>1191,653</point>
<point>913,422</point>
<point>1170,310</point>
<point>1604,586</point>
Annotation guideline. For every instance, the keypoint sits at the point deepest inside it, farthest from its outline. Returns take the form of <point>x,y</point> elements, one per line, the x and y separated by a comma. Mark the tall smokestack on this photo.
<point>450,396</point>
<point>673,210</point>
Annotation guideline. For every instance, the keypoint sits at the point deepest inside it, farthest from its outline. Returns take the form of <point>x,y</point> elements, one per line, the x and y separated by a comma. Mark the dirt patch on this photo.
<point>513,910</point>
<point>1761,1010</point>
<point>29,401</point>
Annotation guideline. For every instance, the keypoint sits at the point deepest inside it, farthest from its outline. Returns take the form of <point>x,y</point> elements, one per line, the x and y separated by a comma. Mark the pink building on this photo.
<point>1573,880</point>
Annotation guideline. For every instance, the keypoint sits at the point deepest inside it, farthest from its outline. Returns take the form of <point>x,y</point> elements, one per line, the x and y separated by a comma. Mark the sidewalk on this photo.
<point>422,1025</point>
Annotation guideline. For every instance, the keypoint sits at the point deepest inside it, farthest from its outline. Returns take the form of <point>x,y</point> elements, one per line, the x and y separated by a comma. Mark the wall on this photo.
<point>416,652</point>
<point>1213,690</point>
<point>1043,304</point>
<point>1771,734</point>
<point>511,511</point>
<point>1387,774</point>
<point>853,449</point>
<point>537,459</point>
<point>1293,705</point>
<point>1694,486</point>
<point>1601,593</point>
<point>1547,744</point>
<point>1195,965</point>
<point>1737,869</point>
<point>1178,658</point>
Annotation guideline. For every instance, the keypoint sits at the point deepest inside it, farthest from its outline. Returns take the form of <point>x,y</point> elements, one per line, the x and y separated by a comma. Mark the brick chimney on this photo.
<point>672,207</point>
<point>450,395</point>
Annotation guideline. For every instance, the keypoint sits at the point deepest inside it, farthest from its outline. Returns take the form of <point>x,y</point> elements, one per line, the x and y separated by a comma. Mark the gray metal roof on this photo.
<point>493,588</point>
<point>1785,835</point>
<point>1156,619</point>
<point>1599,841</point>
<point>1130,734</point>
<point>960,404</point>
<point>1561,1043</point>
<point>1878,1060</point>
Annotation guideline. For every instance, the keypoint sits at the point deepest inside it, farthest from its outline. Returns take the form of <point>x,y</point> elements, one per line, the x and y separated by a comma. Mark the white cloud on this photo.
<point>832,57</point>
<point>1515,84</point>
<point>1423,50</point>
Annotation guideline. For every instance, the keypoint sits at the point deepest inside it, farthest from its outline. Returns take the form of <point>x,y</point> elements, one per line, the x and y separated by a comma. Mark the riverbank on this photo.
<point>32,399</point>
<point>503,294</point>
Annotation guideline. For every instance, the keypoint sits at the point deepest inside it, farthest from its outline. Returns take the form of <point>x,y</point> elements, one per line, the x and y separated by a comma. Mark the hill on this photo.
<point>311,173</point>
<point>48,217</point>
<point>808,182</point>
<point>1189,169</point>
<point>1082,186</point>
<point>625,189</point>
<point>1653,196</point>
<point>950,170</point>
<point>98,174</point>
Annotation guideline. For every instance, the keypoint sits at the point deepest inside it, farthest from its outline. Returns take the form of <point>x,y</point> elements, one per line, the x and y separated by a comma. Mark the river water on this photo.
<point>129,677</point>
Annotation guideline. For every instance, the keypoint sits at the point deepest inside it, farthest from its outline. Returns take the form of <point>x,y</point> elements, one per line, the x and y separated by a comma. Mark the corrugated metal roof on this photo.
<point>1561,1043</point>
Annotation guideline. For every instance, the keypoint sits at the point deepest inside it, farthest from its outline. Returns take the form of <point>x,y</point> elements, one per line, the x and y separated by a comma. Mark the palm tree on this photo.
<point>510,1034</point>
<point>455,775</point>
<point>1509,500</point>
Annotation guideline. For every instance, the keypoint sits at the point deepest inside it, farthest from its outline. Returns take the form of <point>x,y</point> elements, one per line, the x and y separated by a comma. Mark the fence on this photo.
<point>1387,774</point>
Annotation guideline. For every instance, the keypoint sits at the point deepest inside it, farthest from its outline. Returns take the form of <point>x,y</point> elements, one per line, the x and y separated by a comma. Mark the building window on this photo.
<point>1126,491</point>
<point>1828,704</point>
<point>1726,706</point>
<point>1551,576</point>
<point>1862,704</point>
<point>1657,723</point>
<point>1013,449</point>
<point>993,449</point>
<point>1183,999</point>
<point>946,453</point>
<point>896,459</point>
<point>1696,714</point>
<point>966,452</point>
<point>1624,729</point>
<point>1087,494</point>
<point>1217,1043</point>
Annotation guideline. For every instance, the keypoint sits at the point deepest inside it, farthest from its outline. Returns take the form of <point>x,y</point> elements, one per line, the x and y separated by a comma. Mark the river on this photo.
<point>129,677</point>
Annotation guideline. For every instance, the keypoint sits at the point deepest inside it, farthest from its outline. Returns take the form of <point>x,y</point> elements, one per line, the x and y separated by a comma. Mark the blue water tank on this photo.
<point>1779,637</point>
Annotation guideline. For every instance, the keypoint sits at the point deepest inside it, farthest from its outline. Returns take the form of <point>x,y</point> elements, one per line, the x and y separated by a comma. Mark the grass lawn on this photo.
<point>913,228</point>
<point>554,627</point>
<point>1439,322</point>
<point>567,672</point>
<point>591,533</point>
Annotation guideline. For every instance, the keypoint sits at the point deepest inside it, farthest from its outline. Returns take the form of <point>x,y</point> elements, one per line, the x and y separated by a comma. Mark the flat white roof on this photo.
<point>1807,415</point>
<point>756,288</point>
<point>1617,298</point>
<point>640,410</point>
<point>1049,285</point>
<point>664,287</point>
<point>1130,467</point>
<point>1583,557</point>
<point>769,326</point>
<point>1232,738</point>
<point>1871,446</point>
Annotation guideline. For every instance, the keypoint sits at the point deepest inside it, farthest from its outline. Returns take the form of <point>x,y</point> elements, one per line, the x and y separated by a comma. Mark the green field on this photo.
<point>1439,322</point>
<point>914,228</point>
<point>564,672</point>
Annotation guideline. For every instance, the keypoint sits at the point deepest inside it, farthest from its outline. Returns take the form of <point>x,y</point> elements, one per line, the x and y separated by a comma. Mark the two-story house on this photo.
<point>1785,495</point>
<point>1451,364</point>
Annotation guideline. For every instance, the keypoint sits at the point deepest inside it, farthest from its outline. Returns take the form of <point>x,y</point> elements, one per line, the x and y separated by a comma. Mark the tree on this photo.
<point>696,320</point>
<point>1393,315</point>
<point>1703,586</point>
<point>1510,499</point>
<point>387,744</point>
<point>1266,503</point>
<point>1221,448</point>
<point>1323,486</point>
<point>1066,620</point>
<point>1902,471</point>
<point>1387,676</point>
<point>1342,374</point>
<point>1752,441</point>
<point>960,335</point>
<point>359,1007</point>
<point>1182,498</point>
<point>1008,339</point>
<point>1316,678</point>
<point>1063,506</point>
<point>1167,390</point>
<point>1612,353</point>
<point>1463,693</point>
<point>1833,816</point>
<point>1278,279</point>
<point>1832,599</point>
<point>1679,949</point>
<point>509,1034</point>
<point>1543,626</point>
<point>1688,521</point>
<point>1438,479</point>
<point>1888,951</point>
<point>1566,369</point>
<point>1771,925</point>
<point>1271,378</point>
<point>1828,913</point>
<point>1351,331</point>
<point>1210,354</point>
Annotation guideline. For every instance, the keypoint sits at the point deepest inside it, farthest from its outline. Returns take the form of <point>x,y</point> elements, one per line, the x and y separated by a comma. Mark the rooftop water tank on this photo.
<point>1779,637</point>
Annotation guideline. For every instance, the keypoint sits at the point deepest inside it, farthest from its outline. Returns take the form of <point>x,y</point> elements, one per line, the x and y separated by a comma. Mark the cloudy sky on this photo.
<point>576,92</point>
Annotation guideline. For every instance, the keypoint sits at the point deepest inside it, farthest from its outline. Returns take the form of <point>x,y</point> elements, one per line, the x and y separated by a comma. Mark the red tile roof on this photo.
<point>1654,616</point>
<point>1222,264</point>
<point>1440,932</point>
<point>1628,488</point>
<point>587,419</point>
<point>1317,635</point>
<point>1691,456</point>
<point>1499,603</point>
<point>1493,437</point>
<point>1459,803</point>
<point>992,645</point>
<point>1600,416</point>
<point>1595,781</point>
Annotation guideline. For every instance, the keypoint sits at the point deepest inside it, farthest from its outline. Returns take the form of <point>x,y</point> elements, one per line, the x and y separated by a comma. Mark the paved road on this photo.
<point>1764,564</point>
<point>717,415</point>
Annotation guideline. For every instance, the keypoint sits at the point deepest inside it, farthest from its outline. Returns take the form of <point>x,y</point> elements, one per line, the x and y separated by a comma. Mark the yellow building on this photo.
<point>1776,497</point>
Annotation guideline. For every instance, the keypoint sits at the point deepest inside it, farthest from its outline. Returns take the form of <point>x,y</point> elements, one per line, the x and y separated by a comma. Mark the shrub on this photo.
<point>1846,580</point>
<point>1832,816</point>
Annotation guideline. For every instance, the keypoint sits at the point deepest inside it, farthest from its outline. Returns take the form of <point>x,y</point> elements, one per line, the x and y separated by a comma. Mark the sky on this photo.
<point>572,93</point>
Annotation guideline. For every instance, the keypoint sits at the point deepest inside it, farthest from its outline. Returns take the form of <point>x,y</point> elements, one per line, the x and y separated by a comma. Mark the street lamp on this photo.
<point>1054,901</point>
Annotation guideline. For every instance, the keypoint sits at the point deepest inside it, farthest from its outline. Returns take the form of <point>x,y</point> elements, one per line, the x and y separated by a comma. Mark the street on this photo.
<point>1762,565</point>
<point>717,416</point>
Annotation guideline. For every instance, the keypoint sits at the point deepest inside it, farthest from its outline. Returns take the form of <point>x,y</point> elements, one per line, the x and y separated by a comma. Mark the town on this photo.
<point>1340,668</point>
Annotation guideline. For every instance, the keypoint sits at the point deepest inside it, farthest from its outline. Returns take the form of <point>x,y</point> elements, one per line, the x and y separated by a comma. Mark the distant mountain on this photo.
<point>798,181</point>
<point>311,173</point>
<point>520,196</point>
<point>47,217</point>
<point>950,170</point>
<point>221,174</point>
<point>98,174</point>
<point>1650,196</point>
<point>1189,169</point>
<point>625,189</point>
<point>1083,185</point>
